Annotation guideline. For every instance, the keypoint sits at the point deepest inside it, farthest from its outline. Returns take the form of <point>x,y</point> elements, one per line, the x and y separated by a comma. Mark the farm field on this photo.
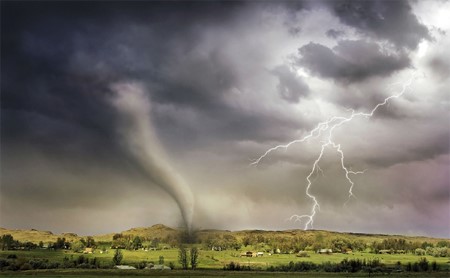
<point>219,249</point>
<point>202,273</point>
<point>217,259</point>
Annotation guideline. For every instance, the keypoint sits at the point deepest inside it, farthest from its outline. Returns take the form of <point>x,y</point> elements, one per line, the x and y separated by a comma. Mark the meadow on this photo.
<point>209,259</point>
<point>211,262</point>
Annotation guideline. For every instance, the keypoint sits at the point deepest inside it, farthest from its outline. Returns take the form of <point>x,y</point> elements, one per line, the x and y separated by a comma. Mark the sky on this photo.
<point>127,114</point>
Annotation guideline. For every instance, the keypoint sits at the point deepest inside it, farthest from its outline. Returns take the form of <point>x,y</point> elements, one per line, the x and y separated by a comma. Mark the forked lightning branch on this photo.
<point>325,130</point>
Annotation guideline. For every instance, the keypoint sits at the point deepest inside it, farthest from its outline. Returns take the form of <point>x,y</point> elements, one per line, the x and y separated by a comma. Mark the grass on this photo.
<point>199,273</point>
<point>217,259</point>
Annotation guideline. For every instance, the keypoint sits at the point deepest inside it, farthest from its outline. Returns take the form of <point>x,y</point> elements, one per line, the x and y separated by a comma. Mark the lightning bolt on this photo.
<point>326,129</point>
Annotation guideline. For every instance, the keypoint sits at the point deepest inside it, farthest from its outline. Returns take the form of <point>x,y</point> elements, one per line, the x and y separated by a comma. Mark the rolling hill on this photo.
<point>162,231</point>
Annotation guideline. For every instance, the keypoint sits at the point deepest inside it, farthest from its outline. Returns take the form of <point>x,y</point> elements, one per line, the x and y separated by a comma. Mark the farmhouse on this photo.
<point>88,250</point>
<point>249,254</point>
<point>259,254</point>
<point>325,251</point>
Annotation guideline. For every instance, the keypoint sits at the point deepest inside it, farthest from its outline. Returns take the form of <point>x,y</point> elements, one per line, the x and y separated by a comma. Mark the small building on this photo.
<point>259,254</point>
<point>325,251</point>
<point>124,267</point>
<point>88,250</point>
<point>248,254</point>
<point>160,267</point>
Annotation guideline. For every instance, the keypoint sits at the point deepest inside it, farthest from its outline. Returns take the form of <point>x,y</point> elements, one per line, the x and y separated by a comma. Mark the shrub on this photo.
<point>26,266</point>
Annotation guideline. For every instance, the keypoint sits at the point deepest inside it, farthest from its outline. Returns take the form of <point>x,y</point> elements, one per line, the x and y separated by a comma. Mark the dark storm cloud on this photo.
<point>290,86</point>
<point>59,60</point>
<point>350,61</point>
<point>390,20</point>
<point>334,34</point>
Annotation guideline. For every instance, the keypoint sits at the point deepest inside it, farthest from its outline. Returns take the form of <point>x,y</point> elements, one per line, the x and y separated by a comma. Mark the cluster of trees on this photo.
<point>344,266</point>
<point>7,242</point>
<point>60,243</point>
<point>185,257</point>
<point>129,242</point>
<point>13,263</point>
<point>223,242</point>
<point>421,265</point>
<point>355,266</point>
<point>232,266</point>
<point>433,251</point>
<point>126,242</point>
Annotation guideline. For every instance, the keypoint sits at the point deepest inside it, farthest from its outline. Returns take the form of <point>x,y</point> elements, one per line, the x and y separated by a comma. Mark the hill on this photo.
<point>155,231</point>
<point>36,236</point>
<point>163,232</point>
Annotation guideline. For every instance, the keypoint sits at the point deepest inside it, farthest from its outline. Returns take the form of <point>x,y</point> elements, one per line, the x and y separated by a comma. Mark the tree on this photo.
<point>41,244</point>
<point>61,243</point>
<point>194,257</point>
<point>443,243</point>
<point>78,246</point>
<point>90,242</point>
<point>117,236</point>
<point>182,257</point>
<point>161,260</point>
<point>117,257</point>
<point>155,243</point>
<point>7,241</point>
<point>137,243</point>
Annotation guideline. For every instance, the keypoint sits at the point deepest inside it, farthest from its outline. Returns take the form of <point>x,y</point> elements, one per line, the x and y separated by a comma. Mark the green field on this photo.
<point>203,273</point>
<point>217,259</point>
<point>211,263</point>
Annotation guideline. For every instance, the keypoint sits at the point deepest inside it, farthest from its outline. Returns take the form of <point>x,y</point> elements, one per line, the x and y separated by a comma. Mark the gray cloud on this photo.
<point>351,61</point>
<point>335,34</point>
<point>290,86</point>
<point>390,20</point>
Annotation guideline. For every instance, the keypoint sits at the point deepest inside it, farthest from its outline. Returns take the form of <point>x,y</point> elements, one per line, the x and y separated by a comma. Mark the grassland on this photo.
<point>211,263</point>
<point>217,259</point>
<point>203,273</point>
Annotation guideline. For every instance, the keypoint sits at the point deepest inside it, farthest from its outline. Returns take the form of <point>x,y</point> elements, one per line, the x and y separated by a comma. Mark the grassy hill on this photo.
<point>162,231</point>
<point>36,236</point>
<point>155,231</point>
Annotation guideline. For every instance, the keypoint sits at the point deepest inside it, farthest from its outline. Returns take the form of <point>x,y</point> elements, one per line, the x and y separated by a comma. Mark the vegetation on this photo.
<point>234,252</point>
<point>117,258</point>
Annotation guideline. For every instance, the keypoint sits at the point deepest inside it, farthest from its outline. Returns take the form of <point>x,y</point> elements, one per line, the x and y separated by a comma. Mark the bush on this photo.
<point>141,265</point>
<point>420,252</point>
<point>26,266</point>
<point>302,254</point>
<point>236,267</point>
<point>423,264</point>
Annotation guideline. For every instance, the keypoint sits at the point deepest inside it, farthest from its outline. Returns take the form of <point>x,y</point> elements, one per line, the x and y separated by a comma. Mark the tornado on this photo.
<point>140,139</point>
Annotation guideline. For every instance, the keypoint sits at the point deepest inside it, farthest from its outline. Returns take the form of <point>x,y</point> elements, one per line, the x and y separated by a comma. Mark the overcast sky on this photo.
<point>214,85</point>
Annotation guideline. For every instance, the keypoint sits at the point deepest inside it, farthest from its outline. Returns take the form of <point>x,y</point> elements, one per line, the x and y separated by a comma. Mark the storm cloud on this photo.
<point>390,20</point>
<point>351,61</point>
<point>226,81</point>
